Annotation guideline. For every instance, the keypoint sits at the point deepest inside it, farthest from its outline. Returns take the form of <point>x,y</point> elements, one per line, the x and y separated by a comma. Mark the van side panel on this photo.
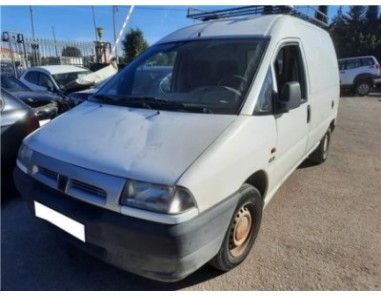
<point>323,81</point>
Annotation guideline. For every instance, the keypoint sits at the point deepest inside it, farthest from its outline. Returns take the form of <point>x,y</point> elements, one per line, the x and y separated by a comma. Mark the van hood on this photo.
<point>146,145</point>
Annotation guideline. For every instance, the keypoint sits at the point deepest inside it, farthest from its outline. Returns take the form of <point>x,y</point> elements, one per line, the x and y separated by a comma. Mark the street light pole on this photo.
<point>31,20</point>
<point>35,59</point>
<point>55,41</point>
<point>114,10</point>
<point>95,26</point>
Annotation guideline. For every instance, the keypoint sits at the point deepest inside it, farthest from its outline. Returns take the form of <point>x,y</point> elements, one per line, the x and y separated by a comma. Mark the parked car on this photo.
<point>151,78</point>
<point>359,74</point>
<point>79,97</point>
<point>17,121</point>
<point>53,78</point>
<point>161,182</point>
<point>46,105</point>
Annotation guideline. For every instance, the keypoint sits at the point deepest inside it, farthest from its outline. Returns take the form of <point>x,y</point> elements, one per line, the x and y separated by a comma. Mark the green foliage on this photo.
<point>357,32</point>
<point>71,51</point>
<point>133,44</point>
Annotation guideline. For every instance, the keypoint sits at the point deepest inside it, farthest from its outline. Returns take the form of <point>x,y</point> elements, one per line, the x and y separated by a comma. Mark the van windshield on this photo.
<point>203,76</point>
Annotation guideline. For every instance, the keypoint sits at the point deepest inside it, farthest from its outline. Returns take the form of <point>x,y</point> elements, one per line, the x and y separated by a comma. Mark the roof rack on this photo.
<point>303,12</point>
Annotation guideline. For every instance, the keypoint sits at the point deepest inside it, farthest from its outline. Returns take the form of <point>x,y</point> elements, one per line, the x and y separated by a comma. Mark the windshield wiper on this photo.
<point>102,98</point>
<point>149,102</point>
<point>153,103</point>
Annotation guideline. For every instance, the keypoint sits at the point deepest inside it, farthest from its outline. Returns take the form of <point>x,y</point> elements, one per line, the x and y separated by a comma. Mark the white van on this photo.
<point>171,163</point>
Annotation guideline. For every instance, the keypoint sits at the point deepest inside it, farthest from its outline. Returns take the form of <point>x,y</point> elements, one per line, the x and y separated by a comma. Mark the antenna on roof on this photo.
<point>307,13</point>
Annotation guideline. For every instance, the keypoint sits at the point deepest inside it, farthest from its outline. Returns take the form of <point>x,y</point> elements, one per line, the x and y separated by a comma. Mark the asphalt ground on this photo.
<point>321,231</point>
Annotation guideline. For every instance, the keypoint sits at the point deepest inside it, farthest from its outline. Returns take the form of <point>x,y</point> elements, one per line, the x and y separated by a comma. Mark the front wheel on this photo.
<point>242,232</point>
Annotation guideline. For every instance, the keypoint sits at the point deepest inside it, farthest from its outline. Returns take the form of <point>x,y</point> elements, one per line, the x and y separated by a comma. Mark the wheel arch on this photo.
<point>332,125</point>
<point>259,180</point>
<point>363,77</point>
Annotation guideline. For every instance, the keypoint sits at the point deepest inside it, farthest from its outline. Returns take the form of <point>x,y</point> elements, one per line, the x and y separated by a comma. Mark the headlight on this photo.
<point>158,198</point>
<point>24,157</point>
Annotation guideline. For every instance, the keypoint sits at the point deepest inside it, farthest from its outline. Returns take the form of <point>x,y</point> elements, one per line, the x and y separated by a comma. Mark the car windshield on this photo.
<point>12,84</point>
<point>63,79</point>
<point>204,76</point>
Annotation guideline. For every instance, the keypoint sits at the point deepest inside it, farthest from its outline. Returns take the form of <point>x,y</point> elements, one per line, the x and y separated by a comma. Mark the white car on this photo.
<point>161,182</point>
<point>359,74</point>
<point>53,78</point>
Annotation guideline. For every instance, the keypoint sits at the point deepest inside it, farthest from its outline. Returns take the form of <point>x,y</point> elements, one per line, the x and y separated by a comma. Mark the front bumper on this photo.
<point>158,251</point>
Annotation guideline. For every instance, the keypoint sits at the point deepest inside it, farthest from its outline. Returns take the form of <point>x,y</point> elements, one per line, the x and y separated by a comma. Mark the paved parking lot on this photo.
<point>320,232</point>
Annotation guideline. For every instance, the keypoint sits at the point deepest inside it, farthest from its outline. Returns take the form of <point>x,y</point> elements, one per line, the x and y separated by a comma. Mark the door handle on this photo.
<point>308,113</point>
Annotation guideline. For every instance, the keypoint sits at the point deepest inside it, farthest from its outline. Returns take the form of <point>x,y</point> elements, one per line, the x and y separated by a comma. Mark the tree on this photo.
<point>134,44</point>
<point>371,20</point>
<point>71,51</point>
<point>357,33</point>
<point>339,33</point>
<point>355,26</point>
<point>373,30</point>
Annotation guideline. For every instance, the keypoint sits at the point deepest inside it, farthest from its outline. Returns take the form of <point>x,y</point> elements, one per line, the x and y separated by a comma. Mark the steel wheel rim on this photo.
<point>363,88</point>
<point>240,231</point>
<point>325,147</point>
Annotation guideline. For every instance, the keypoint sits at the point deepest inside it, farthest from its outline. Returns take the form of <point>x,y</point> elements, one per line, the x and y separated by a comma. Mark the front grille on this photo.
<point>48,173</point>
<point>60,182</point>
<point>88,188</point>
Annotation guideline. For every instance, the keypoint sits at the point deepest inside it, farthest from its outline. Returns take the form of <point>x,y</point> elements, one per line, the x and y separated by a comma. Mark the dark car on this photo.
<point>17,121</point>
<point>45,105</point>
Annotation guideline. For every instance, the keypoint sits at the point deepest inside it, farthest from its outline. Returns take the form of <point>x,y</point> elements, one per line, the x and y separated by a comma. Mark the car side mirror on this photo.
<point>290,96</point>
<point>51,88</point>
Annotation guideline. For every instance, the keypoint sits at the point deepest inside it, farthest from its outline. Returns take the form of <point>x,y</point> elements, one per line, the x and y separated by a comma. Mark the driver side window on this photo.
<point>288,66</point>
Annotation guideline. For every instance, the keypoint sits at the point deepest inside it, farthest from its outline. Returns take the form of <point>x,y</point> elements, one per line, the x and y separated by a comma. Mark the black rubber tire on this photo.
<point>252,201</point>
<point>363,88</point>
<point>320,154</point>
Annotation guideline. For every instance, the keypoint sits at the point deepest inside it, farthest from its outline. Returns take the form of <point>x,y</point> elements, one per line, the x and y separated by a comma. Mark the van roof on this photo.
<point>261,26</point>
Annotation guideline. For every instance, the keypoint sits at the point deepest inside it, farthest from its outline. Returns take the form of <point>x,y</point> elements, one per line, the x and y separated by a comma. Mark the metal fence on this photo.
<point>25,52</point>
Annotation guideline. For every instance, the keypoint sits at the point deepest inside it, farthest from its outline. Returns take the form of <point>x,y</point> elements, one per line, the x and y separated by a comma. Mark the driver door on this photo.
<point>293,125</point>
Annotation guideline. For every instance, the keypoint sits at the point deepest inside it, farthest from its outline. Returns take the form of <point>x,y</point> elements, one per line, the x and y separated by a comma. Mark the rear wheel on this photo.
<point>242,232</point>
<point>321,152</point>
<point>362,88</point>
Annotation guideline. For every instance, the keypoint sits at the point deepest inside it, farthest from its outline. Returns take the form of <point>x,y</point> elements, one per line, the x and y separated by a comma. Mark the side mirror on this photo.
<point>290,96</point>
<point>50,88</point>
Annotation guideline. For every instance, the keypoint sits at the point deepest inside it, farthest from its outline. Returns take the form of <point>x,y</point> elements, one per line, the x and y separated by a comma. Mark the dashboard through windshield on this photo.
<point>207,76</point>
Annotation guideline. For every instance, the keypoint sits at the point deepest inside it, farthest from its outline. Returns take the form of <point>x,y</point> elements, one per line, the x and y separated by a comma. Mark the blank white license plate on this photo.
<point>67,224</point>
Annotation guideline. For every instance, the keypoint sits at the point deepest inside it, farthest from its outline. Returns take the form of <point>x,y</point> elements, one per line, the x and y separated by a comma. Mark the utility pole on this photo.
<point>95,26</point>
<point>55,41</point>
<point>31,19</point>
<point>34,45</point>
<point>114,11</point>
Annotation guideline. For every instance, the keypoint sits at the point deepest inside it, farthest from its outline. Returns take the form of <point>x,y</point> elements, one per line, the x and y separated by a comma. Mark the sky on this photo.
<point>75,23</point>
